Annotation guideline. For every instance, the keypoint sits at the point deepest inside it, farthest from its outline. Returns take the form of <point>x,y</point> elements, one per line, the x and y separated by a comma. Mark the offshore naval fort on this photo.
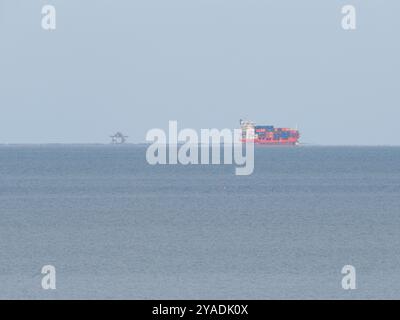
<point>118,138</point>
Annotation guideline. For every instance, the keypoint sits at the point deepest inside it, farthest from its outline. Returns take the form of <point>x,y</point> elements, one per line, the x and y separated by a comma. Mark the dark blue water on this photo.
<point>116,227</point>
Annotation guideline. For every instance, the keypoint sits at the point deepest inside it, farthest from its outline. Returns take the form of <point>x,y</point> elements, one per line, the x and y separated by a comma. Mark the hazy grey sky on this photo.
<point>133,65</point>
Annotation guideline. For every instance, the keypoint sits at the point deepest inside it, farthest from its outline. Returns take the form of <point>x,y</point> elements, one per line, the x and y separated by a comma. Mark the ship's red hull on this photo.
<point>272,142</point>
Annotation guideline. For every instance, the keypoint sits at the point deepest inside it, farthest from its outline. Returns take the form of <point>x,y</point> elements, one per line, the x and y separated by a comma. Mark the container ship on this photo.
<point>269,135</point>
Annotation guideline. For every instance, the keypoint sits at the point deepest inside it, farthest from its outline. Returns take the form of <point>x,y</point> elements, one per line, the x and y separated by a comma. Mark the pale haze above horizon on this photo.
<point>131,66</point>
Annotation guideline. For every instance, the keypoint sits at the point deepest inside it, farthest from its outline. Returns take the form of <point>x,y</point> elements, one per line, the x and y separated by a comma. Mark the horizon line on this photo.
<point>149,143</point>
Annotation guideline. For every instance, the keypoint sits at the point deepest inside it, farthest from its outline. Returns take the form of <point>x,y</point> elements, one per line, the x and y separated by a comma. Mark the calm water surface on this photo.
<point>116,227</point>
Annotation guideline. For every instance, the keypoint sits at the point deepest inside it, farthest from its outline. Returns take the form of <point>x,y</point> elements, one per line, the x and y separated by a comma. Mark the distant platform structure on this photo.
<point>118,138</point>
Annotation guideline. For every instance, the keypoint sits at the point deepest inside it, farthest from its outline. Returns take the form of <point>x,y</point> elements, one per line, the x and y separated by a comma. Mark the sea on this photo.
<point>115,227</point>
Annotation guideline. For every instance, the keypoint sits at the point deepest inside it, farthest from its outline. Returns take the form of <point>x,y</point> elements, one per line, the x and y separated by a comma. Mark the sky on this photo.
<point>131,66</point>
